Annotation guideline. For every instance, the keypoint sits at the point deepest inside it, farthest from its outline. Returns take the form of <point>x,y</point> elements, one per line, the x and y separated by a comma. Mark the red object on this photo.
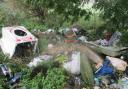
<point>70,41</point>
<point>17,40</point>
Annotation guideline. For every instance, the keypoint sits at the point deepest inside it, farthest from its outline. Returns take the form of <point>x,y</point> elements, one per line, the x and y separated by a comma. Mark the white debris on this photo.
<point>50,30</point>
<point>73,66</point>
<point>115,38</point>
<point>12,36</point>
<point>96,87</point>
<point>50,46</point>
<point>46,57</point>
<point>83,39</point>
<point>102,42</point>
<point>35,62</point>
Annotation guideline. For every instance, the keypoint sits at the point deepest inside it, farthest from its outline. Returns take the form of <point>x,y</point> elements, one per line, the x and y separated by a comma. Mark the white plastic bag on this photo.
<point>73,66</point>
<point>35,62</point>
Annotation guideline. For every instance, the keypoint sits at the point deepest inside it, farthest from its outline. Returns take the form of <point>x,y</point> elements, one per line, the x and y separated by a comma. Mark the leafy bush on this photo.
<point>55,79</point>
<point>92,23</point>
<point>9,16</point>
<point>2,58</point>
<point>30,24</point>
<point>124,40</point>
<point>1,87</point>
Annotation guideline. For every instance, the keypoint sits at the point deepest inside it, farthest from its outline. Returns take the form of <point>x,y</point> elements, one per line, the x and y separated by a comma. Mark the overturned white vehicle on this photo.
<point>17,38</point>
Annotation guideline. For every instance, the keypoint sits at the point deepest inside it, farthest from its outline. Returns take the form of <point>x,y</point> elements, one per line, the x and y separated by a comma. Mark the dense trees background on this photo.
<point>42,14</point>
<point>115,12</point>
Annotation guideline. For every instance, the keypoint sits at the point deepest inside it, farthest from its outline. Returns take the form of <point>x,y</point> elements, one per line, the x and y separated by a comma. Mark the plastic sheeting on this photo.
<point>93,56</point>
<point>117,63</point>
<point>73,66</point>
<point>12,36</point>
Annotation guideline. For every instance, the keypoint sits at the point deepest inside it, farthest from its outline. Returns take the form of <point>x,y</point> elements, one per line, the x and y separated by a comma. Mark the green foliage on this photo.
<point>115,12</point>
<point>55,79</point>
<point>42,44</point>
<point>124,40</point>
<point>48,64</point>
<point>61,58</point>
<point>92,23</point>
<point>1,87</point>
<point>31,25</point>
<point>41,14</point>
<point>8,16</point>
<point>67,8</point>
<point>2,56</point>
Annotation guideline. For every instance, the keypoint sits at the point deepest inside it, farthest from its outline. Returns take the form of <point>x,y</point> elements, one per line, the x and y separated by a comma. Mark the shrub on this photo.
<point>55,79</point>
<point>124,40</point>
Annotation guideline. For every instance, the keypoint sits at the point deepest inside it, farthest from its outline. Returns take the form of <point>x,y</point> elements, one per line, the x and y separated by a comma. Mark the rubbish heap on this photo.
<point>106,70</point>
<point>98,63</point>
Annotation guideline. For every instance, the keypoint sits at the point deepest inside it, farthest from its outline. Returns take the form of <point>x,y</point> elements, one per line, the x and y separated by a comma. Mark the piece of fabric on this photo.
<point>105,69</point>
